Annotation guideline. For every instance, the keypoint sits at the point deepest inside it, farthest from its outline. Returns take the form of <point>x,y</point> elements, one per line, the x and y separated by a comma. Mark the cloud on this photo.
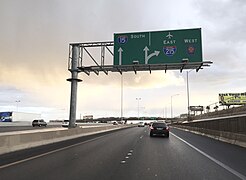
<point>223,20</point>
<point>143,80</point>
<point>39,87</point>
<point>34,52</point>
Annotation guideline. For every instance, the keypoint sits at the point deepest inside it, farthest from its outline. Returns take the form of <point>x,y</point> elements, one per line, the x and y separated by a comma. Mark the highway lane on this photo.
<point>19,127</point>
<point>226,153</point>
<point>4,129</point>
<point>130,154</point>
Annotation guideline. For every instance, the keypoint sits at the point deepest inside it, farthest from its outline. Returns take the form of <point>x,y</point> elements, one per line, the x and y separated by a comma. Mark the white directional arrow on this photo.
<point>147,57</point>
<point>120,55</point>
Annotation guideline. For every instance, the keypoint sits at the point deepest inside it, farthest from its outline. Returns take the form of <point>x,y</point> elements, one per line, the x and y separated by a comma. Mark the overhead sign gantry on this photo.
<point>137,51</point>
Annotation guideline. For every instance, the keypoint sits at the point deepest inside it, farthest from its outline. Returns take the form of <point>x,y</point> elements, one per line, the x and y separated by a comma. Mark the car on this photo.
<point>140,124</point>
<point>115,123</point>
<point>39,122</point>
<point>159,128</point>
<point>65,123</point>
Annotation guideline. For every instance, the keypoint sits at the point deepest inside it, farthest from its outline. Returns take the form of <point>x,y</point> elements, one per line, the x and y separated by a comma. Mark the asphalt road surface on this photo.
<point>19,127</point>
<point>23,128</point>
<point>128,154</point>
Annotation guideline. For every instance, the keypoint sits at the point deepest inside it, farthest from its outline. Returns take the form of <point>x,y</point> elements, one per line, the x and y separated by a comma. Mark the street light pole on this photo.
<point>188,93</point>
<point>166,112</point>
<point>172,104</point>
<point>121,109</point>
<point>138,99</point>
<point>18,101</point>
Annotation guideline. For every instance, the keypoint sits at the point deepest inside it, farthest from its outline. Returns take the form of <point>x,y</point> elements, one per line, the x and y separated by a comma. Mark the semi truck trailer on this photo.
<point>13,116</point>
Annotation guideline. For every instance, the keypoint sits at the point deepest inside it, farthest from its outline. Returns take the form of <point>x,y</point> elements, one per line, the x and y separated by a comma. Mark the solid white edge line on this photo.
<point>239,175</point>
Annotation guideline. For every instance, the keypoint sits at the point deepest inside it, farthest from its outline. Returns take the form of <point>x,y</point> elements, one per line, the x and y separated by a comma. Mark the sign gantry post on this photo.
<point>74,61</point>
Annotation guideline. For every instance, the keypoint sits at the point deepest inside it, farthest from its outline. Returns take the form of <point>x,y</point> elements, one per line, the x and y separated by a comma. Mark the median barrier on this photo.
<point>18,141</point>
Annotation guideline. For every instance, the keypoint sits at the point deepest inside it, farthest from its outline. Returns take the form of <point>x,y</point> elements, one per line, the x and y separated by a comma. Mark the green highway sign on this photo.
<point>158,47</point>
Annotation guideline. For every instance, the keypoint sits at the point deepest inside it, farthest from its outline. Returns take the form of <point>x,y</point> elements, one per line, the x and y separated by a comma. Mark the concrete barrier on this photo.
<point>17,141</point>
<point>229,137</point>
<point>233,124</point>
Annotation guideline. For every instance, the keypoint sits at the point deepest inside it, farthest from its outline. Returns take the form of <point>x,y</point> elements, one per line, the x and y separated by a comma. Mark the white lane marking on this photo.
<point>239,175</point>
<point>127,157</point>
<point>51,152</point>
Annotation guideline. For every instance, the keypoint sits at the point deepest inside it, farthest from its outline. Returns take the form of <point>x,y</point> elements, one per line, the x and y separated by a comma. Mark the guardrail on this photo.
<point>231,129</point>
<point>17,141</point>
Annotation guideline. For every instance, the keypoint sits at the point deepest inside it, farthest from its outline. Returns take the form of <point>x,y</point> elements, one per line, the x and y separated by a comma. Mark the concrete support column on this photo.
<point>74,83</point>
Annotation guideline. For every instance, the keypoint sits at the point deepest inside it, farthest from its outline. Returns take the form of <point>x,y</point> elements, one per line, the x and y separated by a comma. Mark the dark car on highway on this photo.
<point>39,122</point>
<point>159,128</point>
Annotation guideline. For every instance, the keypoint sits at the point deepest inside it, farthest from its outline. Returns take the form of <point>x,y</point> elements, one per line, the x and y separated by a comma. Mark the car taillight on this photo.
<point>167,128</point>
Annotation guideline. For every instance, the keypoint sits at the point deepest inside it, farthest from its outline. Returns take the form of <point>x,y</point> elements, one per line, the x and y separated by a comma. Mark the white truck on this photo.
<point>13,116</point>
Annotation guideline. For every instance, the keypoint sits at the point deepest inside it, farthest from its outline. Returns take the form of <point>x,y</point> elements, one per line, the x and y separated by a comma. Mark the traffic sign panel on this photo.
<point>158,47</point>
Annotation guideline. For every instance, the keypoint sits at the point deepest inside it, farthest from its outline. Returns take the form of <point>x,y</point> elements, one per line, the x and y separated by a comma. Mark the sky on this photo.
<point>34,51</point>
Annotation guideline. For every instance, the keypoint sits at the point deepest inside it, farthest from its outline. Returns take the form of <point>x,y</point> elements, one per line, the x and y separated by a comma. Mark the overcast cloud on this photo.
<point>34,40</point>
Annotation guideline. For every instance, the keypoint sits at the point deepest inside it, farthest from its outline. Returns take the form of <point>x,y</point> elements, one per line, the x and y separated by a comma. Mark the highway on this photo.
<point>20,127</point>
<point>128,154</point>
